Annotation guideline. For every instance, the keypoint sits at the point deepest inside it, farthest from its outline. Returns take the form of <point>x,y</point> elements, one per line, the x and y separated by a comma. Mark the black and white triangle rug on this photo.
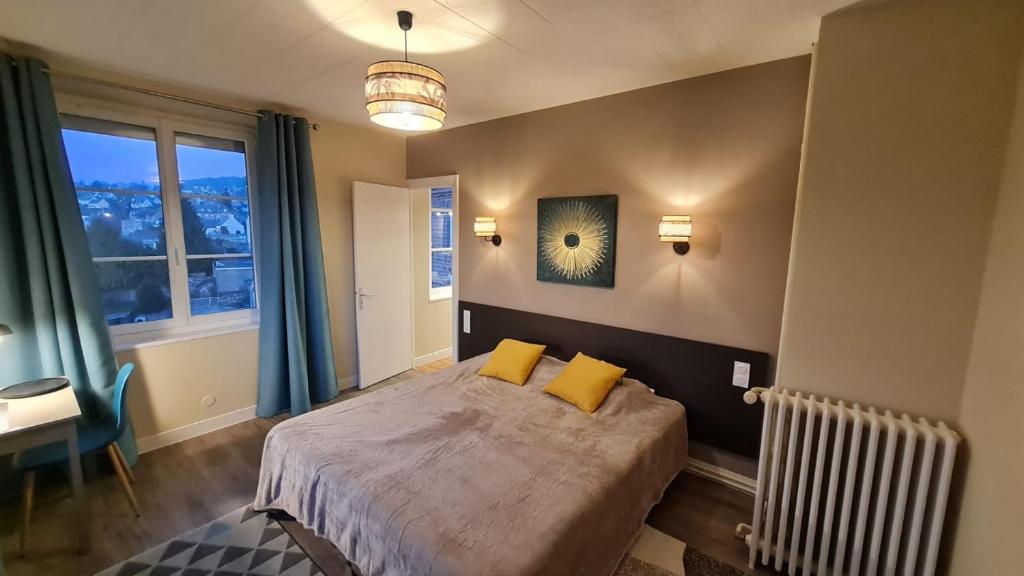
<point>242,543</point>
<point>248,543</point>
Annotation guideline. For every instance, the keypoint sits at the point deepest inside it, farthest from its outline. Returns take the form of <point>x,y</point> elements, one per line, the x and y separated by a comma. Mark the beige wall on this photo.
<point>905,138</point>
<point>894,242</point>
<point>432,320</point>
<point>343,153</point>
<point>993,391</point>
<point>172,378</point>
<point>724,148</point>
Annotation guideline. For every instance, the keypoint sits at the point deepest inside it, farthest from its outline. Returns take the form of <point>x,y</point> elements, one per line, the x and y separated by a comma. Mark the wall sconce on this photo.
<point>677,230</point>
<point>487,228</point>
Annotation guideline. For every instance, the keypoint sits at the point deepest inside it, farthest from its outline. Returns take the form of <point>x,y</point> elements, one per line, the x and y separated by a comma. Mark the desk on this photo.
<point>43,420</point>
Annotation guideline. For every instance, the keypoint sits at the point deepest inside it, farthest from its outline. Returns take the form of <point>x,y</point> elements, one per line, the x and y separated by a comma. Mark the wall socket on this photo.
<point>465,321</point>
<point>741,374</point>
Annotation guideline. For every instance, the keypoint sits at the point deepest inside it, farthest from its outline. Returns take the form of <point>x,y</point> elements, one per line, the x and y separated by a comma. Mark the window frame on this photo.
<point>441,292</point>
<point>248,315</point>
<point>182,325</point>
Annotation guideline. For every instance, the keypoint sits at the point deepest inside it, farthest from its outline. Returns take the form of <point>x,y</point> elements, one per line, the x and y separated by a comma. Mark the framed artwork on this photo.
<point>576,240</point>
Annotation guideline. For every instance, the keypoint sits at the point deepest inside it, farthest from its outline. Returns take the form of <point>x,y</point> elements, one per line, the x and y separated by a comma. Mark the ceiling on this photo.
<point>500,57</point>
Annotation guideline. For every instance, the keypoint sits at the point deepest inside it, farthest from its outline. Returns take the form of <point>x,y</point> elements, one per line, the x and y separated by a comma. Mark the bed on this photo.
<point>455,473</point>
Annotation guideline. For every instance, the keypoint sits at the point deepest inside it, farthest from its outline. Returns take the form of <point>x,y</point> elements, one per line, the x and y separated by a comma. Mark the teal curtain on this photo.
<point>49,295</point>
<point>296,364</point>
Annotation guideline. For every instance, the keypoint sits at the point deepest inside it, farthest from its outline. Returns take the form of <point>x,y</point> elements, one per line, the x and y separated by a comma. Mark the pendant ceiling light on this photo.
<point>405,95</point>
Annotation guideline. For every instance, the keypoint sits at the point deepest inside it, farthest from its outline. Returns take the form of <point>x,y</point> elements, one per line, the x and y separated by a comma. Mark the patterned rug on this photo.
<point>238,544</point>
<point>248,543</point>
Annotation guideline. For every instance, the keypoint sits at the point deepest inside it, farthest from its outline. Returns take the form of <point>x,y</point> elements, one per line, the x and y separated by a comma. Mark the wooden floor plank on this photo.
<point>193,482</point>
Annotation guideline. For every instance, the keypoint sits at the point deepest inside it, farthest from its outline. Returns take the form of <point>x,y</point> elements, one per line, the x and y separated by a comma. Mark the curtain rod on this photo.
<point>156,93</point>
<point>185,99</point>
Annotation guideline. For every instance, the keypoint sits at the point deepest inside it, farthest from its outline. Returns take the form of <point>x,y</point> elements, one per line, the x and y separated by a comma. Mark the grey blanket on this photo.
<point>455,473</point>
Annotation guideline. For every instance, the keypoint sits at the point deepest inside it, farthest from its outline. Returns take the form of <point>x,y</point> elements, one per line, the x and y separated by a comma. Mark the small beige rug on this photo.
<point>653,554</point>
<point>657,554</point>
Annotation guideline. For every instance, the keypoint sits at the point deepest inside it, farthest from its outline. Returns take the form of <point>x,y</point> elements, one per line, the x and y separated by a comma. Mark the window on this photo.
<point>118,188</point>
<point>440,243</point>
<point>166,214</point>
<point>215,221</point>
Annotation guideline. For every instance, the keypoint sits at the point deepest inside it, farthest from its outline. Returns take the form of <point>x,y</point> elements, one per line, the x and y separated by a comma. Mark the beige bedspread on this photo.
<point>454,473</point>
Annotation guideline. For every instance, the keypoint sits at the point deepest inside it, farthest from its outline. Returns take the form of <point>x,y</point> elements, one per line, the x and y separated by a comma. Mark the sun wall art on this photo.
<point>576,240</point>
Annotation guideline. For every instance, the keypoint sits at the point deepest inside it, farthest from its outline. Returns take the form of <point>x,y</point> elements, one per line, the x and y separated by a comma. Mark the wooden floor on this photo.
<point>434,366</point>
<point>191,483</point>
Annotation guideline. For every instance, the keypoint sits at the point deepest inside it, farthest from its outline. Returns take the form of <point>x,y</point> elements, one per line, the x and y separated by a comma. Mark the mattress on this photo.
<point>458,474</point>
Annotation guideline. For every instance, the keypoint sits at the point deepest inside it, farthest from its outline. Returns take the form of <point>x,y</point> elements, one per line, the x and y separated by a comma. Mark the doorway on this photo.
<point>434,215</point>
<point>405,244</point>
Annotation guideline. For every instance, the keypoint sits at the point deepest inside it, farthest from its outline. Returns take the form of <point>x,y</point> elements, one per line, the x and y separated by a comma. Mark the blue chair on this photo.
<point>92,436</point>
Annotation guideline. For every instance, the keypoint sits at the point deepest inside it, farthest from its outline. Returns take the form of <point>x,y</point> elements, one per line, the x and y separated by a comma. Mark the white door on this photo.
<point>383,280</point>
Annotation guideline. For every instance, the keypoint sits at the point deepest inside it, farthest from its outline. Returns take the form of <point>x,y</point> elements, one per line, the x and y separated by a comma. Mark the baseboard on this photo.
<point>150,443</point>
<point>347,382</point>
<point>428,358</point>
<point>722,476</point>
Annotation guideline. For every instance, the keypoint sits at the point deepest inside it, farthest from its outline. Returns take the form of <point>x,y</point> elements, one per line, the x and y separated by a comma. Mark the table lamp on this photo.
<point>31,387</point>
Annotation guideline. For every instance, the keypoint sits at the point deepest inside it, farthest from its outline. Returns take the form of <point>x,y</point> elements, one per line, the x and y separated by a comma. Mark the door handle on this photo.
<point>362,296</point>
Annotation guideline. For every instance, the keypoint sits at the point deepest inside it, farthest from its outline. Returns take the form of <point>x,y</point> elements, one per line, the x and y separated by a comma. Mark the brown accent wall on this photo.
<point>724,148</point>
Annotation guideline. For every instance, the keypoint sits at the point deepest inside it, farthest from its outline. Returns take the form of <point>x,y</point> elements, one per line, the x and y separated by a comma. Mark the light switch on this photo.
<point>465,321</point>
<point>741,374</point>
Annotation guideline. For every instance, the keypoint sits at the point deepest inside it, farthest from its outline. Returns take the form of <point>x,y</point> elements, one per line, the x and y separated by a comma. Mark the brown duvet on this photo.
<point>455,473</point>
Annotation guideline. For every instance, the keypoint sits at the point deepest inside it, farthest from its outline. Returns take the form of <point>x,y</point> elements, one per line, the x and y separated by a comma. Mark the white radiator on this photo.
<point>847,490</point>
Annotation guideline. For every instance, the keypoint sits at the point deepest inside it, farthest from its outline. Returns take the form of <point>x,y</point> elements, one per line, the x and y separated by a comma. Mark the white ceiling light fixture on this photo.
<point>406,95</point>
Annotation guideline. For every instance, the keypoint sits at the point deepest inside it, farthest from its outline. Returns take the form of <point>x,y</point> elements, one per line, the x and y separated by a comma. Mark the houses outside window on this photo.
<point>440,243</point>
<point>215,222</point>
<point>166,211</point>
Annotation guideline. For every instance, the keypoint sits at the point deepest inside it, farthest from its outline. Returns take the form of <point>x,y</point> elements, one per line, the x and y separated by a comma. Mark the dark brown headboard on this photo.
<point>697,374</point>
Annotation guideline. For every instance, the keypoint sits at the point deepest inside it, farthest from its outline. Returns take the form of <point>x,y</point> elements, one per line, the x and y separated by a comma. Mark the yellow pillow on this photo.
<point>585,382</point>
<point>513,360</point>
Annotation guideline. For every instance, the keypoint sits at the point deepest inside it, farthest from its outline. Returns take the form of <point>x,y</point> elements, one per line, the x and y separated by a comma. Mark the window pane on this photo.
<point>440,269</point>
<point>441,198</point>
<point>440,229</point>
<point>109,161</point>
<point>220,285</point>
<point>211,166</point>
<point>123,224</point>
<point>120,157</point>
<point>137,291</point>
<point>215,226</point>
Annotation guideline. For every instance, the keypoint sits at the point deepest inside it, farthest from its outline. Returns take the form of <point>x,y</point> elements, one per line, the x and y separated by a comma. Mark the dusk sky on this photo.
<point>119,159</point>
